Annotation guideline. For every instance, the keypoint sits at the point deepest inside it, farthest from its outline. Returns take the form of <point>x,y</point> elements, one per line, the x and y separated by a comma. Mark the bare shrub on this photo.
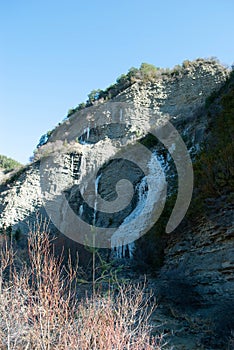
<point>39,308</point>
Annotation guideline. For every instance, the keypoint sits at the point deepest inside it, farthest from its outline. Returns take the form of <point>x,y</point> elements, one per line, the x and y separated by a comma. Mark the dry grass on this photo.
<point>39,309</point>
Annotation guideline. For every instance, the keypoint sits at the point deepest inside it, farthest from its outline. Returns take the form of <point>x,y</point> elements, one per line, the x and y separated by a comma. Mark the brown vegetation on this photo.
<point>39,308</point>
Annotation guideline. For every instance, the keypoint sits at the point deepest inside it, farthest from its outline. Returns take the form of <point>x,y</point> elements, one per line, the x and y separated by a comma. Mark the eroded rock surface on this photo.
<point>198,263</point>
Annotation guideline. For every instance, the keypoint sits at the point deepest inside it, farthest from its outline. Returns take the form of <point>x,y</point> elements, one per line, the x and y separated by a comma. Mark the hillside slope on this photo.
<point>193,265</point>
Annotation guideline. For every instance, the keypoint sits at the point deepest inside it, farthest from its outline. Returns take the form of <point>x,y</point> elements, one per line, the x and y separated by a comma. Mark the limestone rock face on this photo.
<point>90,140</point>
<point>21,199</point>
<point>180,96</point>
<point>1,175</point>
<point>178,99</point>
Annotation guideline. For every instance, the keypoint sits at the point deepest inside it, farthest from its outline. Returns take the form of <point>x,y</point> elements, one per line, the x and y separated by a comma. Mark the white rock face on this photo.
<point>20,200</point>
<point>178,99</point>
<point>1,175</point>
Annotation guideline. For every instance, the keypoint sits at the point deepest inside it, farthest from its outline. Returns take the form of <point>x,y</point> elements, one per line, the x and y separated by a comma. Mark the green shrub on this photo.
<point>93,96</point>
<point>8,164</point>
<point>147,71</point>
<point>15,175</point>
<point>177,70</point>
<point>44,138</point>
<point>186,64</point>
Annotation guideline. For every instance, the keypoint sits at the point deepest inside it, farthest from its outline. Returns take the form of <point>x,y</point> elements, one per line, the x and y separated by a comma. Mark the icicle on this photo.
<point>149,192</point>
<point>96,184</point>
<point>128,249</point>
<point>95,199</point>
<point>87,132</point>
<point>94,212</point>
<point>72,164</point>
<point>121,115</point>
<point>131,248</point>
<point>81,210</point>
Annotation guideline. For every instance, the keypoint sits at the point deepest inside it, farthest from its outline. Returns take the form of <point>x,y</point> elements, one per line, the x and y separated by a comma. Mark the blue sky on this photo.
<point>53,53</point>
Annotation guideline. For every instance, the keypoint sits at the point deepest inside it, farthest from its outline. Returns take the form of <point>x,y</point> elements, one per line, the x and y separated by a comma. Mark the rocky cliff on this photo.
<point>179,99</point>
<point>77,171</point>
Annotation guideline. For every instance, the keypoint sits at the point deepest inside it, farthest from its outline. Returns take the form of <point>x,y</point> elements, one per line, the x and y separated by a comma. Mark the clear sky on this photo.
<point>54,52</point>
